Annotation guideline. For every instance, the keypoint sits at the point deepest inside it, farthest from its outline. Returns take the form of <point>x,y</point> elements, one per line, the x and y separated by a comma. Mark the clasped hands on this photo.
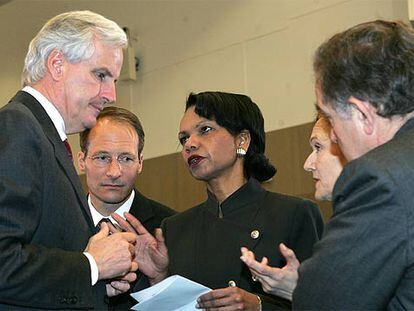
<point>114,253</point>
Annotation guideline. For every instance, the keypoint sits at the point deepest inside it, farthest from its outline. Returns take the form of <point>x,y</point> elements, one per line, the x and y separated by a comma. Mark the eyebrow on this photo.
<point>198,125</point>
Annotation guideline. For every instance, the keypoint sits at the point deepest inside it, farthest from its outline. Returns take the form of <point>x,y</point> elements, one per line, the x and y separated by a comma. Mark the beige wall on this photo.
<point>259,47</point>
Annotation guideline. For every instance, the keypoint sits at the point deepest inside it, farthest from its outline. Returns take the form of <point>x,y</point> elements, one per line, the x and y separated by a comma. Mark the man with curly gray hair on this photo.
<point>51,256</point>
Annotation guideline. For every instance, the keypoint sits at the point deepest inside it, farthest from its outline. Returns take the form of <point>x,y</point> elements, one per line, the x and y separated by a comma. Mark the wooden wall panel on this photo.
<point>167,180</point>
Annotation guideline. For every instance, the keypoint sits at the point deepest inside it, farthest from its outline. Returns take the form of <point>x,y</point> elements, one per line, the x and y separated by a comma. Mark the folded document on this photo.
<point>175,293</point>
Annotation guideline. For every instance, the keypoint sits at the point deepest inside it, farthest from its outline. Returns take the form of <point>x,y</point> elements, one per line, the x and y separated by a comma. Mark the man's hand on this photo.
<point>113,253</point>
<point>276,281</point>
<point>229,298</point>
<point>151,253</point>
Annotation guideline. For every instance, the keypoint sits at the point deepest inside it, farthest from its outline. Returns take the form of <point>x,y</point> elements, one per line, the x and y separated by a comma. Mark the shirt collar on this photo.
<point>96,216</point>
<point>50,109</point>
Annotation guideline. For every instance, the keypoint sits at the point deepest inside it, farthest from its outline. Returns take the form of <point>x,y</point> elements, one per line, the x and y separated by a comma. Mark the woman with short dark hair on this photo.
<point>223,143</point>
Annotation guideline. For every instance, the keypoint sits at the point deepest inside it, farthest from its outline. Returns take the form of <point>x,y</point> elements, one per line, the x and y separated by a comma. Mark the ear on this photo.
<point>243,140</point>
<point>55,64</point>
<point>141,163</point>
<point>365,114</point>
<point>81,161</point>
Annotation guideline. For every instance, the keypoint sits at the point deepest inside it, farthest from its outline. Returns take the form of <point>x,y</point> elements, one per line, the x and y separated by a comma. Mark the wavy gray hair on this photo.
<point>73,34</point>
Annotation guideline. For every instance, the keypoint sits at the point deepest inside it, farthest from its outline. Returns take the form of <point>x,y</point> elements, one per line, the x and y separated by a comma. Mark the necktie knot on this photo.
<point>68,149</point>
<point>106,220</point>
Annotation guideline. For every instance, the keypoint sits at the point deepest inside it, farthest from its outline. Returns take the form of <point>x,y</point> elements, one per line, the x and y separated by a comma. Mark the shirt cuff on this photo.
<point>94,268</point>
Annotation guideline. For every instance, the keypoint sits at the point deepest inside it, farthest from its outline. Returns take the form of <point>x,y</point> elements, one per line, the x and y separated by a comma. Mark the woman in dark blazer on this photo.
<point>223,143</point>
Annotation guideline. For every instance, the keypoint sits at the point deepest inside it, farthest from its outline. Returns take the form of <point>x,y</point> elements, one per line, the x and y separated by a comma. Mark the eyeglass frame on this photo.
<point>121,163</point>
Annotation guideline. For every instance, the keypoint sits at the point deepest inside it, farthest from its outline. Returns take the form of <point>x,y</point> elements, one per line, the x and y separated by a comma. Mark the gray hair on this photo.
<point>73,34</point>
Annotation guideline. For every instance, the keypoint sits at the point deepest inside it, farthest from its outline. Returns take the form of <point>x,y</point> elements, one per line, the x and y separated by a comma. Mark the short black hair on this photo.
<point>237,112</point>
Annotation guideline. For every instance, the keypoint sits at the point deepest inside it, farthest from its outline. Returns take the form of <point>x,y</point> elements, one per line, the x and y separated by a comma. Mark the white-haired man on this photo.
<point>47,258</point>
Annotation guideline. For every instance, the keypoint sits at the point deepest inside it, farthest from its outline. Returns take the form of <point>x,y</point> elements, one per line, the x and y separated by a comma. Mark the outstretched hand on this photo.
<point>151,253</point>
<point>276,281</point>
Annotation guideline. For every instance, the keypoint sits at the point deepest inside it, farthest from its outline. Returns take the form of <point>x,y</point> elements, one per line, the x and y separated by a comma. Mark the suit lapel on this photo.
<point>140,208</point>
<point>59,148</point>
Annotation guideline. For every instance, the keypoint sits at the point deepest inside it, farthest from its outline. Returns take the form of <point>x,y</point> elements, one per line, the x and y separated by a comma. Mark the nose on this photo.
<point>309,164</point>
<point>114,169</point>
<point>108,91</point>
<point>191,144</point>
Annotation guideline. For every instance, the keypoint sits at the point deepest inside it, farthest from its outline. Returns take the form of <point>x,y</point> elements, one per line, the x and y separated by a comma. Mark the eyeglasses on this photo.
<point>104,160</point>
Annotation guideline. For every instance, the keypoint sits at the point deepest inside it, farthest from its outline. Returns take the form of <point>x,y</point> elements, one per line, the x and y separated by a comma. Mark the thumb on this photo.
<point>159,236</point>
<point>160,240</point>
<point>290,256</point>
<point>103,231</point>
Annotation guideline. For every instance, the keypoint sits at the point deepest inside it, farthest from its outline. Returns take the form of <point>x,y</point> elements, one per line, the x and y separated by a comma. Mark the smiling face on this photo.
<point>111,185</point>
<point>88,85</point>
<point>209,150</point>
<point>325,162</point>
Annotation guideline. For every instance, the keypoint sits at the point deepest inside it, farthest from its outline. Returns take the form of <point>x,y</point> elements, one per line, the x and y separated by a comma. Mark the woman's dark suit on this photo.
<point>206,248</point>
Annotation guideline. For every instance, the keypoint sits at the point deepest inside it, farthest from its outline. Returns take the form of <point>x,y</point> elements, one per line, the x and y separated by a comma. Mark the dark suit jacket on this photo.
<point>365,260</point>
<point>150,213</point>
<point>206,248</point>
<point>45,222</point>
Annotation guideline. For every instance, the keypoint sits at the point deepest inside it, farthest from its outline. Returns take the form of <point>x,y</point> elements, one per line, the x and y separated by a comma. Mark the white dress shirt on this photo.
<point>125,207</point>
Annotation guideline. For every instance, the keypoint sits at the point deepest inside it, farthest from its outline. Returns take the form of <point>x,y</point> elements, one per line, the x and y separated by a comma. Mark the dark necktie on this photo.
<point>68,149</point>
<point>107,220</point>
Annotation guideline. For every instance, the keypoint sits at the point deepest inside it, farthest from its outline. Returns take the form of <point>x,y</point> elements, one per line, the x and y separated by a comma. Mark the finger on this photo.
<point>134,266</point>
<point>112,228</point>
<point>247,256</point>
<point>254,265</point>
<point>103,231</point>
<point>120,286</point>
<point>223,299</point>
<point>135,223</point>
<point>244,251</point>
<point>159,235</point>
<point>127,236</point>
<point>110,291</point>
<point>125,225</point>
<point>161,246</point>
<point>129,277</point>
<point>290,256</point>
<point>213,295</point>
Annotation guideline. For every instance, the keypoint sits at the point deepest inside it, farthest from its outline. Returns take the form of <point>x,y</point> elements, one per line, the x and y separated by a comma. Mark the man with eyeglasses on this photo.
<point>111,157</point>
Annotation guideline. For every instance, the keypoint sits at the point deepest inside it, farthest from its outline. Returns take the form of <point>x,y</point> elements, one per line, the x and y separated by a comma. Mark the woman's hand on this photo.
<point>276,281</point>
<point>229,298</point>
<point>151,253</point>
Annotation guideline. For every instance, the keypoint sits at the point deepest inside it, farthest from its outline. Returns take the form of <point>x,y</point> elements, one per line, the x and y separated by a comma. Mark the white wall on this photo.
<point>262,48</point>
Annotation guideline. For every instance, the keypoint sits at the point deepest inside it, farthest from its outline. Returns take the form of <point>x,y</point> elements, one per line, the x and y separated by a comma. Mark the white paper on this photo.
<point>175,293</point>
